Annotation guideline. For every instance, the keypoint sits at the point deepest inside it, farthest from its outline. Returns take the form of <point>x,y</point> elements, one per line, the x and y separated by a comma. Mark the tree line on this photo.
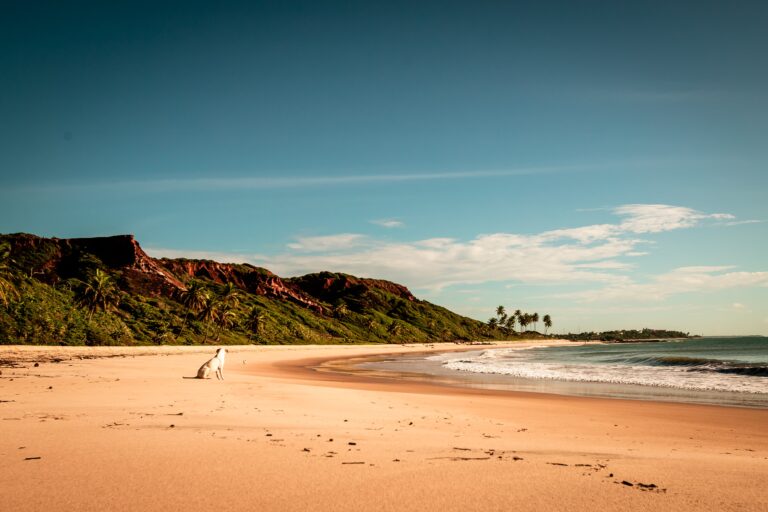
<point>507,322</point>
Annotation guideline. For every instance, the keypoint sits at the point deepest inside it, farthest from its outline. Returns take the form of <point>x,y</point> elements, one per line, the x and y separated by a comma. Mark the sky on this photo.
<point>602,162</point>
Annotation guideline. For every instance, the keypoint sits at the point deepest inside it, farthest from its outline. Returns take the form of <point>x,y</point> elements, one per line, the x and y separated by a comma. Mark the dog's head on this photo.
<point>220,353</point>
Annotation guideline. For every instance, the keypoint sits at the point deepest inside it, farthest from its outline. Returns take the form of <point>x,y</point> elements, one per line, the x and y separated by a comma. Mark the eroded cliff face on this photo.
<point>140,272</point>
<point>328,286</point>
<point>255,280</point>
<point>53,259</point>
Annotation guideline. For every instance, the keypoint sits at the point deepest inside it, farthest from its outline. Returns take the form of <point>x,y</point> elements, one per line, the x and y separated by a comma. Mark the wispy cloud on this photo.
<point>388,223</point>
<point>283,182</point>
<point>328,243</point>
<point>742,222</point>
<point>639,219</point>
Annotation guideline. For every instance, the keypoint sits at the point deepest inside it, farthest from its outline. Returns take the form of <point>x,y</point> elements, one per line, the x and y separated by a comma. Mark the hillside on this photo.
<point>108,291</point>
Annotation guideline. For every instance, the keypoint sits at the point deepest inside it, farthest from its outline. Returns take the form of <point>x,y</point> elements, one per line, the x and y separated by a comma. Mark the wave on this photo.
<point>752,371</point>
<point>697,364</point>
<point>689,373</point>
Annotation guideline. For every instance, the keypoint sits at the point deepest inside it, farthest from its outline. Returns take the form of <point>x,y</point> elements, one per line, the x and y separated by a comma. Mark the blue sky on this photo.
<point>598,161</point>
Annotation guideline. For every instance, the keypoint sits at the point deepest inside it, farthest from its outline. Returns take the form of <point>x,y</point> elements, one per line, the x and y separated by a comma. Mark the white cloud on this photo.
<point>703,269</point>
<point>584,234</point>
<point>585,254</point>
<point>388,223</point>
<point>655,218</point>
<point>638,219</point>
<point>614,265</point>
<point>328,243</point>
<point>738,306</point>
<point>679,280</point>
<point>581,254</point>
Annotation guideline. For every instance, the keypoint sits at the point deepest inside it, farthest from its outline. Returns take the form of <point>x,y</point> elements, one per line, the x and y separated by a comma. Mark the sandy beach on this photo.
<point>120,429</point>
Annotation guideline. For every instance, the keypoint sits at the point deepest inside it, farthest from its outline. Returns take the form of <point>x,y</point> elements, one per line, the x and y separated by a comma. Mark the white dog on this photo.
<point>215,364</point>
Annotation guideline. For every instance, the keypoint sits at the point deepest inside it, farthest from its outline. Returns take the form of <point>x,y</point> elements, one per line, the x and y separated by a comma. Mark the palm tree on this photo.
<point>511,324</point>
<point>225,319</point>
<point>524,319</point>
<point>7,288</point>
<point>230,295</point>
<point>535,321</point>
<point>256,322</point>
<point>501,315</point>
<point>210,314</point>
<point>493,323</point>
<point>194,298</point>
<point>517,314</point>
<point>547,323</point>
<point>99,293</point>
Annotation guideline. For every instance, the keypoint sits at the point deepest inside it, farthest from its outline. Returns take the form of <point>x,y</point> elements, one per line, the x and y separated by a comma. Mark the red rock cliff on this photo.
<point>256,280</point>
<point>142,273</point>
<point>329,286</point>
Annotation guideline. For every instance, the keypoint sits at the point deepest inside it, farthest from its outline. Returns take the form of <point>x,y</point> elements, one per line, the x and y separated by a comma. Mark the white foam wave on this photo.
<point>510,362</point>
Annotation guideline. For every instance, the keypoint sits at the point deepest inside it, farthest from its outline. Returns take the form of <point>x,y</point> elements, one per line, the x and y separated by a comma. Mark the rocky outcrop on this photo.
<point>140,272</point>
<point>329,286</point>
<point>35,256</point>
<point>256,280</point>
<point>53,259</point>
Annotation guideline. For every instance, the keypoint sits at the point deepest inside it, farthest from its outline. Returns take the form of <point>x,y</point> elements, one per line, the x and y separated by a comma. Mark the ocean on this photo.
<point>717,370</point>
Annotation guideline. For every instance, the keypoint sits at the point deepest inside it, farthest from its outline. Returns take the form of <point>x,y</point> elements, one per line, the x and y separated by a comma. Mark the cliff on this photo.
<point>49,278</point>
<point>54,259</point>
<point>255,280</point>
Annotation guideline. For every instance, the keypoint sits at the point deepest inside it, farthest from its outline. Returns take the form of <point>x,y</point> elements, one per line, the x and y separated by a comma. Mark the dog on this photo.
<point>215,364</point>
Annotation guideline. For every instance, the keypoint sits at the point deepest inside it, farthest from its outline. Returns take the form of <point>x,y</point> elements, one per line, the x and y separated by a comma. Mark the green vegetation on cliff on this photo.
<point>107,291</point>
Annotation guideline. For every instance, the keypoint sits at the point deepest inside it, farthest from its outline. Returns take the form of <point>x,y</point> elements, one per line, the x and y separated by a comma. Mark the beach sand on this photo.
<point>128,433</point>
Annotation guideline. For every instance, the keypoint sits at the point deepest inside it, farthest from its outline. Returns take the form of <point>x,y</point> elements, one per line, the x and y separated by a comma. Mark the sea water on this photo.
<point>722,370</point>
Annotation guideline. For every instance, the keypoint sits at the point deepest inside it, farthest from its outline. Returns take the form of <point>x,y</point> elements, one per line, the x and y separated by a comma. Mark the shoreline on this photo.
<point>58,353</point>
<point>416,367</point>
<point>325,369</point>
<point>345,370</point>
<point>128,433</point>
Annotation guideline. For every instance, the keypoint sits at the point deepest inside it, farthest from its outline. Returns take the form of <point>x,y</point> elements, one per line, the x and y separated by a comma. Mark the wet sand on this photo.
<point>128,433</point>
